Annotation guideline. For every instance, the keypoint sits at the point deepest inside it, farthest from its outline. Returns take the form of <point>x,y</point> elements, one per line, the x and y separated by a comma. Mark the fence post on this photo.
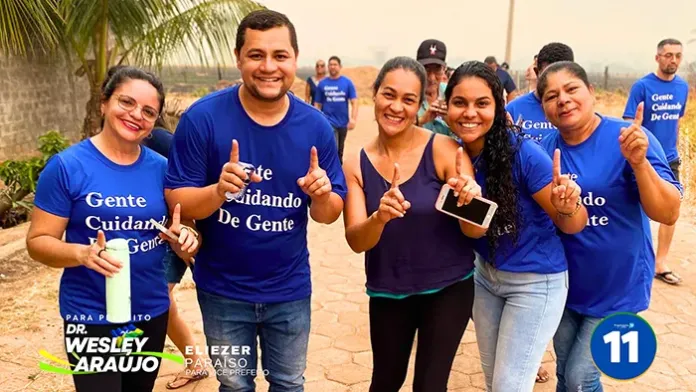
<point>606,78</point>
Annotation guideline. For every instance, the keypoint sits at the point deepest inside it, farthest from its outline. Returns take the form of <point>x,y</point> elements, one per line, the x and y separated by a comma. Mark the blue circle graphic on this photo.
<point>623,346</point>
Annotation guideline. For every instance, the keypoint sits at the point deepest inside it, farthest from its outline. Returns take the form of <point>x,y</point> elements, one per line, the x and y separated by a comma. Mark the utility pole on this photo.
<point>508,44</point>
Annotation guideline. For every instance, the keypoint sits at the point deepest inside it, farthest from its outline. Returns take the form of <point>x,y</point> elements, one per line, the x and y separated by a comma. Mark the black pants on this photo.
<point>440,320</point>
<point>340,135</point>
<point>140,381</point>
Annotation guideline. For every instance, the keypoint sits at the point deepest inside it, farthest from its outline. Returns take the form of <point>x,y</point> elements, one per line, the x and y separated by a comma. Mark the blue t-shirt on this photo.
<point>664,104</point>
<point>611,263</point>
<point>333,95</point>
<point>312,89</point>
<point>94,193</point>
<point>160,140</point>
<point>254,248</point>
<point>539,249</point>
<point>527,112</point>
<point>506,80</point>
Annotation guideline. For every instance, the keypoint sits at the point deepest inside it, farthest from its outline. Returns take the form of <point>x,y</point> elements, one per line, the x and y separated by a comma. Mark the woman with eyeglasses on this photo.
<point>102,188</point>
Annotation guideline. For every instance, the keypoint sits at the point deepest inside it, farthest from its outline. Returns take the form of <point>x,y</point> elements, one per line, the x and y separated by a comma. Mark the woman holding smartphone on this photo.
<point>418,260</point>
<point>103,188</point>
<point>612,262</point>
<point>521,277</point>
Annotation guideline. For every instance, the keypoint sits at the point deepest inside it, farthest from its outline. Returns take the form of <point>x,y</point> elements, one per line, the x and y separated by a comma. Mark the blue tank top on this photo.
<point>425,249</point>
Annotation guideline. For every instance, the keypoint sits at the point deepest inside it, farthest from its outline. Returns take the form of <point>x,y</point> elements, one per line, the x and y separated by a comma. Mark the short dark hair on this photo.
<point>573,68</point>
<point>335,58</point>
<point>490,60</point>
<point>264,20</point>
<point>407,64</point>
<point>668,41</point>
<point>553,53</point>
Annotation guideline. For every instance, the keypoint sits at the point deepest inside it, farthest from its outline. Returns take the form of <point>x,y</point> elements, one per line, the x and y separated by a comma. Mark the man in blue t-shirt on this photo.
<point>252,272</point>
<point>432,54</point>
<point>526,111</point>
<point>664,96</point>
<point>332,97</point>
<point>505,78</point>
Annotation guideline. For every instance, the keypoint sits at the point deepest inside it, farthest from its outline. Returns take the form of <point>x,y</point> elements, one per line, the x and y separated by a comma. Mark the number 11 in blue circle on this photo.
<point>623,346</point>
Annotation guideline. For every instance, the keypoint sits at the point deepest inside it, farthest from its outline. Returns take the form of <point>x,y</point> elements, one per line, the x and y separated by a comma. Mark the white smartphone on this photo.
<point>164,230</point>
<point>479,212</point>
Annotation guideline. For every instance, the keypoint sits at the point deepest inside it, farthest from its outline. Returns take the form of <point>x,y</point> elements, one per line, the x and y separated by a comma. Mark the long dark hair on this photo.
<point>497,159</point>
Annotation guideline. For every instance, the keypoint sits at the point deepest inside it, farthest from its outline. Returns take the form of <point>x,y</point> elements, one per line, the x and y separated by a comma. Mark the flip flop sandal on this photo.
<point>668,277</point>
<point>183,378</point>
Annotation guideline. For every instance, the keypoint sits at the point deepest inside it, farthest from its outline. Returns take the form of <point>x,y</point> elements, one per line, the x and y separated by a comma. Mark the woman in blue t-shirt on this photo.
<point>626,181</point>
<point>520,279</point>
<point>103,188</point>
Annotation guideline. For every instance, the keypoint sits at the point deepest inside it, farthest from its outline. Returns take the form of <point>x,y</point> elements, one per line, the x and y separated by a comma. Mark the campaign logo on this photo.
<point>121,352</point>
<point>623,346</point>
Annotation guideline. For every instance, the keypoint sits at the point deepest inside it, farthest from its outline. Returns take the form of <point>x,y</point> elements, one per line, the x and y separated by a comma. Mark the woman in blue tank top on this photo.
<point>418,260</point>
<point>521,279</point>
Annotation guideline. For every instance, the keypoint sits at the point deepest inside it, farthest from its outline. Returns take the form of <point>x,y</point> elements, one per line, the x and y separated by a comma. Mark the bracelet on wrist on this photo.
<point>570,215</point>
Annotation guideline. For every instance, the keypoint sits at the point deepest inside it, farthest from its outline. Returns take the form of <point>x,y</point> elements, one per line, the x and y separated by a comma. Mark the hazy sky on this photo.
<point>622,33</point>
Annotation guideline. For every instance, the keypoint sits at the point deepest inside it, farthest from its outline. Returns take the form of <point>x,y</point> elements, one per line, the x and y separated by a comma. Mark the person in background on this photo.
<point>252,274</point>
<point>527,111</point>
<point>313,81</point>
<point>530,75</point>
<point>87,192</point>
<point>418,260</point>
<point>664,95</point>
<point>630,184</point>
<point>504,76</point>
<point>332,97</point>
<point>432,54</point>
<point>505,66</point>
<point>160,141</point>
<point>528,114</point>
<point>521,275</point>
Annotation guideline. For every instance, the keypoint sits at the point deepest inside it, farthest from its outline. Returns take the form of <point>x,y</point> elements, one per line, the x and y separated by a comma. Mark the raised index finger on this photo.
<point>234,153</point>
<point>638,120</point>
<point>313,159</point>
<point>556,166</point>
<point>176,215</point>
<point>459,162</point>
<point>395,178</point>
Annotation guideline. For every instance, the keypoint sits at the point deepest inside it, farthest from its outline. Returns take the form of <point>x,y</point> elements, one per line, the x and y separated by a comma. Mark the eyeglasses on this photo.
<point>129,104</point>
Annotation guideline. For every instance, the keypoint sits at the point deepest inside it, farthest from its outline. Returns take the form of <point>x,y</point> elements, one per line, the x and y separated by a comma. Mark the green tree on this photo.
<point>98,34</point>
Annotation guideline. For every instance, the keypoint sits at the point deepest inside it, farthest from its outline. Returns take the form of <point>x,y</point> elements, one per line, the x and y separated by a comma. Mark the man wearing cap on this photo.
<point>432,54</point>
<point>505,78</point>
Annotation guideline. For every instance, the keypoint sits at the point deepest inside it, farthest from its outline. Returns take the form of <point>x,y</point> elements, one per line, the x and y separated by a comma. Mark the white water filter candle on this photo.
<point>118,287</point>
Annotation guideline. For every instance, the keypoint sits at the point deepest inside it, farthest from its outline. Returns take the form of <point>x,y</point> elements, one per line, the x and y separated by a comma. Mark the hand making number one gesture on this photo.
<point>393,204</point>
<point>565,192</point>
<point>634,141</point>
<point>187,242</point>
<point>233,176</point>
<point>464,186</point>
<point>316,184</point>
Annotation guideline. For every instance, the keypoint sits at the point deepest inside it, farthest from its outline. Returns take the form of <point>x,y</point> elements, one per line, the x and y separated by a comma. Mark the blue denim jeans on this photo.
<point>575,367</point>
<point>283,333</point>
<point>515,315</point>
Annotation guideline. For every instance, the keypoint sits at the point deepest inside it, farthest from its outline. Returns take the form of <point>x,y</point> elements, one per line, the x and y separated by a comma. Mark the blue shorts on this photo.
<point>174,267</point>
